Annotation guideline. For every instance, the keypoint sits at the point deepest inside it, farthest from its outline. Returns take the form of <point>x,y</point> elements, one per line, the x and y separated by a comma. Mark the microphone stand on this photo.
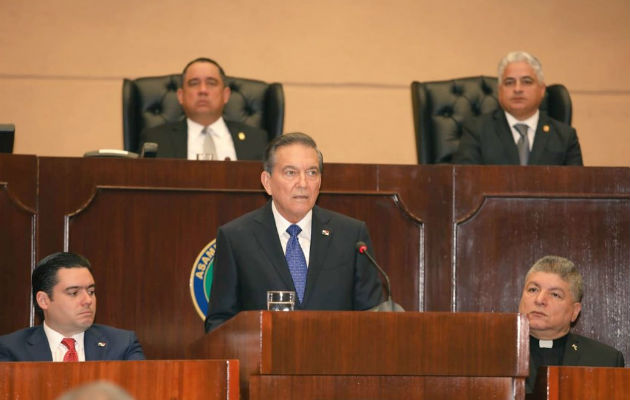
<point>388,305</point>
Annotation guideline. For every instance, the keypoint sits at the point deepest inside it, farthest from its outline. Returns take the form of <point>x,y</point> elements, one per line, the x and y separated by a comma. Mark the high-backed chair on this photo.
<point>152,101</point>
<point>441,107</point>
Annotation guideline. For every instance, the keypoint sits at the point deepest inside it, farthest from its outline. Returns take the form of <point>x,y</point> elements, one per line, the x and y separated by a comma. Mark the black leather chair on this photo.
<point>152,101</point>
<point>441,107</point>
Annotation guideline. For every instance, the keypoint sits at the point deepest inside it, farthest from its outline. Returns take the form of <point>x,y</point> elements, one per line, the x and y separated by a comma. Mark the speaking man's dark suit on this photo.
<point>488,140</point>
<point>584,352</point>
<point>249,261</point>
<point>172,140</point>
<point>100,342</point>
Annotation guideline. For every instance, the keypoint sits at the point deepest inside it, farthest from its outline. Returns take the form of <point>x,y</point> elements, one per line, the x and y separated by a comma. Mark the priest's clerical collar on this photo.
<point>550,344</point>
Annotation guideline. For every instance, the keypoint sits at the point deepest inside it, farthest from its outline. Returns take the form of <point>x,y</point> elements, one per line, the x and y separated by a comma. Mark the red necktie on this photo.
<point>71,354</point>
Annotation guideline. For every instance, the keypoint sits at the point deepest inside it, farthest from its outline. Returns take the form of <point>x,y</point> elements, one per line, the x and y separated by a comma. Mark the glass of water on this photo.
<point>280,300</point>
<point>204,156</point>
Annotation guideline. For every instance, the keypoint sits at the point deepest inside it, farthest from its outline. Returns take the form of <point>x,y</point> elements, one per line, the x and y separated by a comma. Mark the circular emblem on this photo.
<point>201,278</point>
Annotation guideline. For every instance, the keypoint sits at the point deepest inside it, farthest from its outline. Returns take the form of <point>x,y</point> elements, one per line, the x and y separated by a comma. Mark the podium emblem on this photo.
<point>201,278</point>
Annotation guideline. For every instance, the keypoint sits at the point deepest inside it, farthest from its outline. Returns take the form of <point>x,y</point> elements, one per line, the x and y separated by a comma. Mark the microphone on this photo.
<point>389,304</point>
<point>149,150</point>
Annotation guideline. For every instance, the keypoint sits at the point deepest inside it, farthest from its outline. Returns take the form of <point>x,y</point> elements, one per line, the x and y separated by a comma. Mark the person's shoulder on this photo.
<point>592,344</point>
<point>107,330</point>
<point>477,121</point>
<point>236,126</point>
<point>20,334</point>
<point>335,217</point>
<point>244,220</point>
<point>165,127</point>
<point>558,126</point>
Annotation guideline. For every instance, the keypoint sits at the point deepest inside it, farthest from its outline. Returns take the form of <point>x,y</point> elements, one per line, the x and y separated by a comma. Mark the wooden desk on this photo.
<point>355,355</point>
<point>144,380</point>
<point>582,383</point>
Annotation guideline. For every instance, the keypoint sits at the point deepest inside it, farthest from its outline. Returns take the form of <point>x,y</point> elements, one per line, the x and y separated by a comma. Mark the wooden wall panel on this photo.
<point>18,208</point>
<point>506,220</point>
<point>143,244</point>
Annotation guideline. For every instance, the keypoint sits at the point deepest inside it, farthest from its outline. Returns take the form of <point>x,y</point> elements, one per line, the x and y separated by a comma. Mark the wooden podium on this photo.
<point>358,355</point>
<point>581,383</point>
<point>144,380</point>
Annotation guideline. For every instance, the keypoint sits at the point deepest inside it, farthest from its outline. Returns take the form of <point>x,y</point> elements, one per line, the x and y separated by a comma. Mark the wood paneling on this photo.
<point>18,210</point>
<point>286,349</point>
<point>507,218</point>
<point>345,387</point>
<point>144,380</point>
<point>582,383</point>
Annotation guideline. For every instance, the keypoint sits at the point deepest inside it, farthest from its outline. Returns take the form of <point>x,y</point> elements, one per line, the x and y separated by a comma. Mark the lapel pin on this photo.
<point>574,346</point>
<point>241,136</point>
<point>325,232</point>
<point>101,344</point>
<point>546,128</point>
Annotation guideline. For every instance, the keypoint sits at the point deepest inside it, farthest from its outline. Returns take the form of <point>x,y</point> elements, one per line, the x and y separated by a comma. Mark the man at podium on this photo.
<point>292,244</point>
<point>551,300</point>
<point>64,296</point>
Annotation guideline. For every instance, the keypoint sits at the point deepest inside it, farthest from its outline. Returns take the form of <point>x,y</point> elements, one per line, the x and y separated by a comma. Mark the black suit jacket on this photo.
<point>488,140</point>
<point>101,342</point>
<point>249,261</point>
<point>580,351</point>
<point>172,140</point>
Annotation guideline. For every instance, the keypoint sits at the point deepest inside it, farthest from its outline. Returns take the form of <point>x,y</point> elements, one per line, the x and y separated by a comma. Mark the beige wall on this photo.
<point>346,65</point>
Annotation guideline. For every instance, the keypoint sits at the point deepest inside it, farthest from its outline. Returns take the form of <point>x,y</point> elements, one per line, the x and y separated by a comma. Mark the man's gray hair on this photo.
<point>517,56</point>
<point>565,269</point>
<point>288,139</point>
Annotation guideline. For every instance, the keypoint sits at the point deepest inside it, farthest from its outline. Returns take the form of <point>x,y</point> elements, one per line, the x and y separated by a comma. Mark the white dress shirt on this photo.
<point>223,143</point>
<point>531,122</point>
<point>58,349</point>
<point>304,238</point>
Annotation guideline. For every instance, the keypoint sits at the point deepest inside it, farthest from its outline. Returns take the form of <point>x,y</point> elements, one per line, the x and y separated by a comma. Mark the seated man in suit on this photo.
<point>64,296</point>
<point>291,244</point>
<point>551,299</point>
<point>203,96</point>
<point>518,133</point>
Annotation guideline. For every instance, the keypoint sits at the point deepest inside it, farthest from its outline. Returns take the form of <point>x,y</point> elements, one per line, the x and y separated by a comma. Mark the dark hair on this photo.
<point>45,273</point>
<point>285,140</point>
<point>206,60</point>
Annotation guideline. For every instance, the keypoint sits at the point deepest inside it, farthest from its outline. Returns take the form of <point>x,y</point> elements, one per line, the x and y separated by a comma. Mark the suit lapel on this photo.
<point>543,131</point>
<point>37,345</point>
<point>266,235</point>
<point>504,134</point>
<point>179,139</point>
<point>572,351</point>
<point>95,344</point>
<point>321,237</point>
<point>240,143</point>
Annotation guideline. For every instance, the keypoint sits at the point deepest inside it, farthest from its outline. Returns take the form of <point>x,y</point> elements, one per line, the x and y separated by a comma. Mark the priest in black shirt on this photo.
<point>551,299</point>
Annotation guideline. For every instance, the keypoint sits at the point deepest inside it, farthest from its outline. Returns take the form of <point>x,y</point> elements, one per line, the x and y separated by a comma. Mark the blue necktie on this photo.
<point>296,260</point>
